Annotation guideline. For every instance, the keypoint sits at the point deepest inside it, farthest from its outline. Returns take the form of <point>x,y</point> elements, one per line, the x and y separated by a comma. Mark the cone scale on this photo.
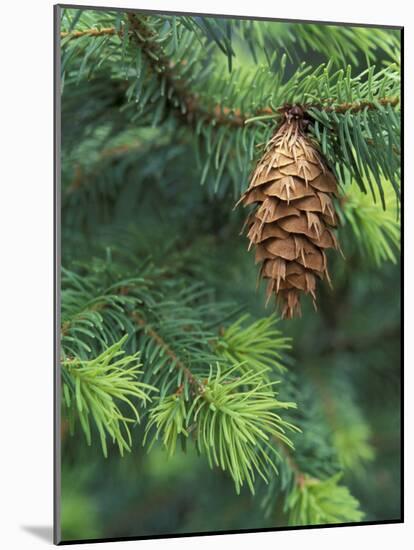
<point>292,224</point>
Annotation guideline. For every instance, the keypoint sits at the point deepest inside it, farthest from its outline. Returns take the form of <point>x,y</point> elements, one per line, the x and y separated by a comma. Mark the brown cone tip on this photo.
<point>292,224</point>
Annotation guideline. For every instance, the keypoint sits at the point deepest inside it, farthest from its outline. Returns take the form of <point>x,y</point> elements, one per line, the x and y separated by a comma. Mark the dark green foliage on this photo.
<point>158,66</point>
<point>165,344</point>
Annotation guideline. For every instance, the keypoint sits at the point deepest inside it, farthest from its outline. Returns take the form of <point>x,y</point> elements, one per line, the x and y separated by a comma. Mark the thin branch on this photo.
<point>163,67</point>
<point>198,386</point>
<point>89,32</point>
<point>356,105</point>
<point>169,352</point>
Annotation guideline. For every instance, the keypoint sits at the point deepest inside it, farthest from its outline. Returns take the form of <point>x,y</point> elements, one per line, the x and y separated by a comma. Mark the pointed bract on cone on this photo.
<point>292,224</point>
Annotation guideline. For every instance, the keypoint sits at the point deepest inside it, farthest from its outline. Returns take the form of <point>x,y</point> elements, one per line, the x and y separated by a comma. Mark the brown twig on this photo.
<point>165,68</point>
<point>169,352</point>
<point>197,384</point>
<point>358,105</point>
<point>89,32</point>
<point>221,115</point>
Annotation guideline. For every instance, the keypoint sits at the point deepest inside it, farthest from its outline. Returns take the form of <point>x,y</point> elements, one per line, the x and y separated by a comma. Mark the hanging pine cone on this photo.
<point>291,226</point>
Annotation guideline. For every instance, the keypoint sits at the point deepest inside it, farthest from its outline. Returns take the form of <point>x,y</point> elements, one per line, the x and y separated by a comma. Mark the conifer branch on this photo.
<point>318,502</point>
<point>89,32</point>
<point>354,107</point>
<point>197,385</point>
<point>94,390</point>
<point>226,115</point>
<point>162,65</point>
<point>194,109</point>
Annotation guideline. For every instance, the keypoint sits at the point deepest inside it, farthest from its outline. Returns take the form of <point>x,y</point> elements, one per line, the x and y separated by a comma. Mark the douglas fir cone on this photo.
<point>292,224</point>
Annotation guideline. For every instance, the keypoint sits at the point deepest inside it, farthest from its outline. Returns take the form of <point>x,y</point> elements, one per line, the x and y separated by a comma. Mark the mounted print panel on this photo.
<point>228,274</point>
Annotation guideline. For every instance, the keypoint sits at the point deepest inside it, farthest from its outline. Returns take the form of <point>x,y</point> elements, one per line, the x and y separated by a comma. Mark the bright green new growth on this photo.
<point>169,417</point>
<point>352,444</point>
<point>377,230</point>
<point>315,502</point>
<point>237,393</point>
<point>232,420</point>
<point>236,422</point>
<point>258,346</point>
<point>96,388</point>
